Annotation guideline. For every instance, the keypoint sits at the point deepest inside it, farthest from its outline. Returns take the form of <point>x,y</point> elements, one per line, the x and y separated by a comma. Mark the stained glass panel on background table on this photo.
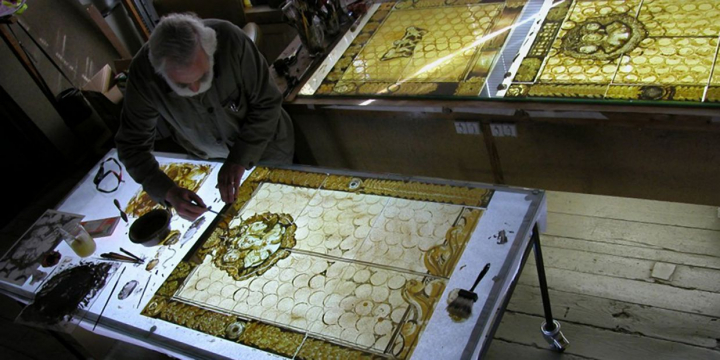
<point>424,47</point>
<point>624,50</point>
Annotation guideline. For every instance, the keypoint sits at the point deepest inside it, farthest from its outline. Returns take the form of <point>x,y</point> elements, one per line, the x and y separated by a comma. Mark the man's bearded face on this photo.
<point>192,79</point>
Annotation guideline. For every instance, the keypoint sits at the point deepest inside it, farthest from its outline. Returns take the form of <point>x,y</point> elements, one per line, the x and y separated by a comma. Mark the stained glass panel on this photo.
<point>424,47</point>
<point>323,265</point>
<point>628,50</point>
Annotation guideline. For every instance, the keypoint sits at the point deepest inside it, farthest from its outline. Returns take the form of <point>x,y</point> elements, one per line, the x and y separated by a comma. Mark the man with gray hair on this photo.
<point>208,82</point>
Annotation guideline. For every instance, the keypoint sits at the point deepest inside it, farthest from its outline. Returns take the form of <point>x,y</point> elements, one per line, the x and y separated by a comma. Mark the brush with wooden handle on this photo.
<point>119,257</point>
<point>461,307</point>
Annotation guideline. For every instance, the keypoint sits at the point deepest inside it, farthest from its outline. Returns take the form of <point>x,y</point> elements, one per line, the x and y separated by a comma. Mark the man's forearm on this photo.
<point>144,169</point>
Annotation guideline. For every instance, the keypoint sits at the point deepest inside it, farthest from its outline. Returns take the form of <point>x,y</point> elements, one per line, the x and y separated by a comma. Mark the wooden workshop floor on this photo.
<point>599,253</point>
<point>628,279</point>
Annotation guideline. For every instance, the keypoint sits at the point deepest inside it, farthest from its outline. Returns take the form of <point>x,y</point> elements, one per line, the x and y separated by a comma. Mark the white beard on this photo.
<point>204,85</point>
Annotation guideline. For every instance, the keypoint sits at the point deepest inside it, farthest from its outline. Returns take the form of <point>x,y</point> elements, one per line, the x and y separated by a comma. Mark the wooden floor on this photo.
<point>607,262</point>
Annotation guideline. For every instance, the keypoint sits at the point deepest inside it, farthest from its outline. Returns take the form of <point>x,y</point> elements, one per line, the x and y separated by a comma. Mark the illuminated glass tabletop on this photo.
<point>310,264</point>
<point>641,51</point>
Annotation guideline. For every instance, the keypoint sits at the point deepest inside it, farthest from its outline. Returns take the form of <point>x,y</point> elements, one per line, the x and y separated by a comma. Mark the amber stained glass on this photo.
<point>324,266</point>
<point>424,47</point>
<point>644,50</point>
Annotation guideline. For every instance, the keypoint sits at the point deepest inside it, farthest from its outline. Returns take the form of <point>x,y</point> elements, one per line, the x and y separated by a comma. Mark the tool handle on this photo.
<point>480,276</point>
<point>123,215</point>
<point>130,254</point>
<point>116,256</point>
<point>207,208</point>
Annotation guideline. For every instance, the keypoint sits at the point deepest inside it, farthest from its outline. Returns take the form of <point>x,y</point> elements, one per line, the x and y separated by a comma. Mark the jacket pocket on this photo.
<point>235,104</point>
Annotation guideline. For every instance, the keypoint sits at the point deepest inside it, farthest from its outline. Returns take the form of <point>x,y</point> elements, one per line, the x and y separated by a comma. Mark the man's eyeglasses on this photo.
<point>103,181</point>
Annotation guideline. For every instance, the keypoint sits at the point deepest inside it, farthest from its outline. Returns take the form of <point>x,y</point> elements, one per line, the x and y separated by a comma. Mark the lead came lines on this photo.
<point>334,283</point>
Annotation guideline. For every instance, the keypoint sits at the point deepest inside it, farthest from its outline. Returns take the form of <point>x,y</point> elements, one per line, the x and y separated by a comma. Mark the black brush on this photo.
<point>123,215</point>
<point>108,299</point>
<point>132,255</point>
<point>119,257</point>
<point>461,307</point>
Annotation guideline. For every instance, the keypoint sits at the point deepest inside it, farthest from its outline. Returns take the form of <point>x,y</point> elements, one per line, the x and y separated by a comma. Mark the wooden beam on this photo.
<point>710,110</point>
<point>108,32</point>
<point>17,50</point>
<point>137,19</point>
<point>492,152</point>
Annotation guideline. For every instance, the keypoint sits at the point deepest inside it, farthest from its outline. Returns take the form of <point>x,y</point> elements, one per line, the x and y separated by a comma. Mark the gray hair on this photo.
<point>175,39</point>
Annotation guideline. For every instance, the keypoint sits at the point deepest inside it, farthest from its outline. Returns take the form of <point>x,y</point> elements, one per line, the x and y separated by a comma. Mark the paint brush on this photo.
<point>119,257</point>
<point>118,260</point>
<point>461,307</point>
<point>108,299</point>
<point>132,255</point>
<point>143,293</point>
<point>207,208</point>
<point>123,215</point>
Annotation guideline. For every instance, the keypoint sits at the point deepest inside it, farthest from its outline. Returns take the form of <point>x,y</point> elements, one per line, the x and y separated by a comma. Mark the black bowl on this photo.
<point>151,228</point>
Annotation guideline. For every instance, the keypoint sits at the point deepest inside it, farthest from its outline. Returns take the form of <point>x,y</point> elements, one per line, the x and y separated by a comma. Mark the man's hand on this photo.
<point>187,203</point>
<point>229,181</point>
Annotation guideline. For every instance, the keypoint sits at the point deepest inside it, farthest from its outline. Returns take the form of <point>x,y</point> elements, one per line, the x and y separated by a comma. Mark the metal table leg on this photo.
<point>550,327</point>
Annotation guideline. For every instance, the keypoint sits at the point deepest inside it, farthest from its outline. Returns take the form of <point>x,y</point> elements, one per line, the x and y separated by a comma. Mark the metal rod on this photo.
<point>549,323</point>
<point>143,292</point>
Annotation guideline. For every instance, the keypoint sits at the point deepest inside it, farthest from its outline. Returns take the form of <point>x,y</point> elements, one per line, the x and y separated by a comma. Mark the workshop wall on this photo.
<point>670,165</point>
<point>66,33</point>
<point>417,144</point>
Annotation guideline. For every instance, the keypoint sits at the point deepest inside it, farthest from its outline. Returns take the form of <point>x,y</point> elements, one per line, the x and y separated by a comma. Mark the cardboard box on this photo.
<point>102,82</point>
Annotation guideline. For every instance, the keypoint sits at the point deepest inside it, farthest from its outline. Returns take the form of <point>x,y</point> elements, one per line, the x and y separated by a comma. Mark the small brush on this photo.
<point>108,299</point>
<point>132,255</point>
<point>461,307</point>
<point>123,215</point>
<point>119,257</point>
<point>207,208</point>
<point>143,292</point>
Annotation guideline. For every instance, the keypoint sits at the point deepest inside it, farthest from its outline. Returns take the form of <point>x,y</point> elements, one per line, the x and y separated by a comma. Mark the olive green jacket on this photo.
<point>236,119</point>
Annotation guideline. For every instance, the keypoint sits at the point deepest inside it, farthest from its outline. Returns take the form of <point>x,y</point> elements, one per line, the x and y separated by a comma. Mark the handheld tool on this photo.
<point>461,307</point>
<point>123,215</point>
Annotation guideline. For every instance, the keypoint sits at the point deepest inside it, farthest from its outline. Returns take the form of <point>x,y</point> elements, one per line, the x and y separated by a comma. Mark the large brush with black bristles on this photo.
<point>461,307</point>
